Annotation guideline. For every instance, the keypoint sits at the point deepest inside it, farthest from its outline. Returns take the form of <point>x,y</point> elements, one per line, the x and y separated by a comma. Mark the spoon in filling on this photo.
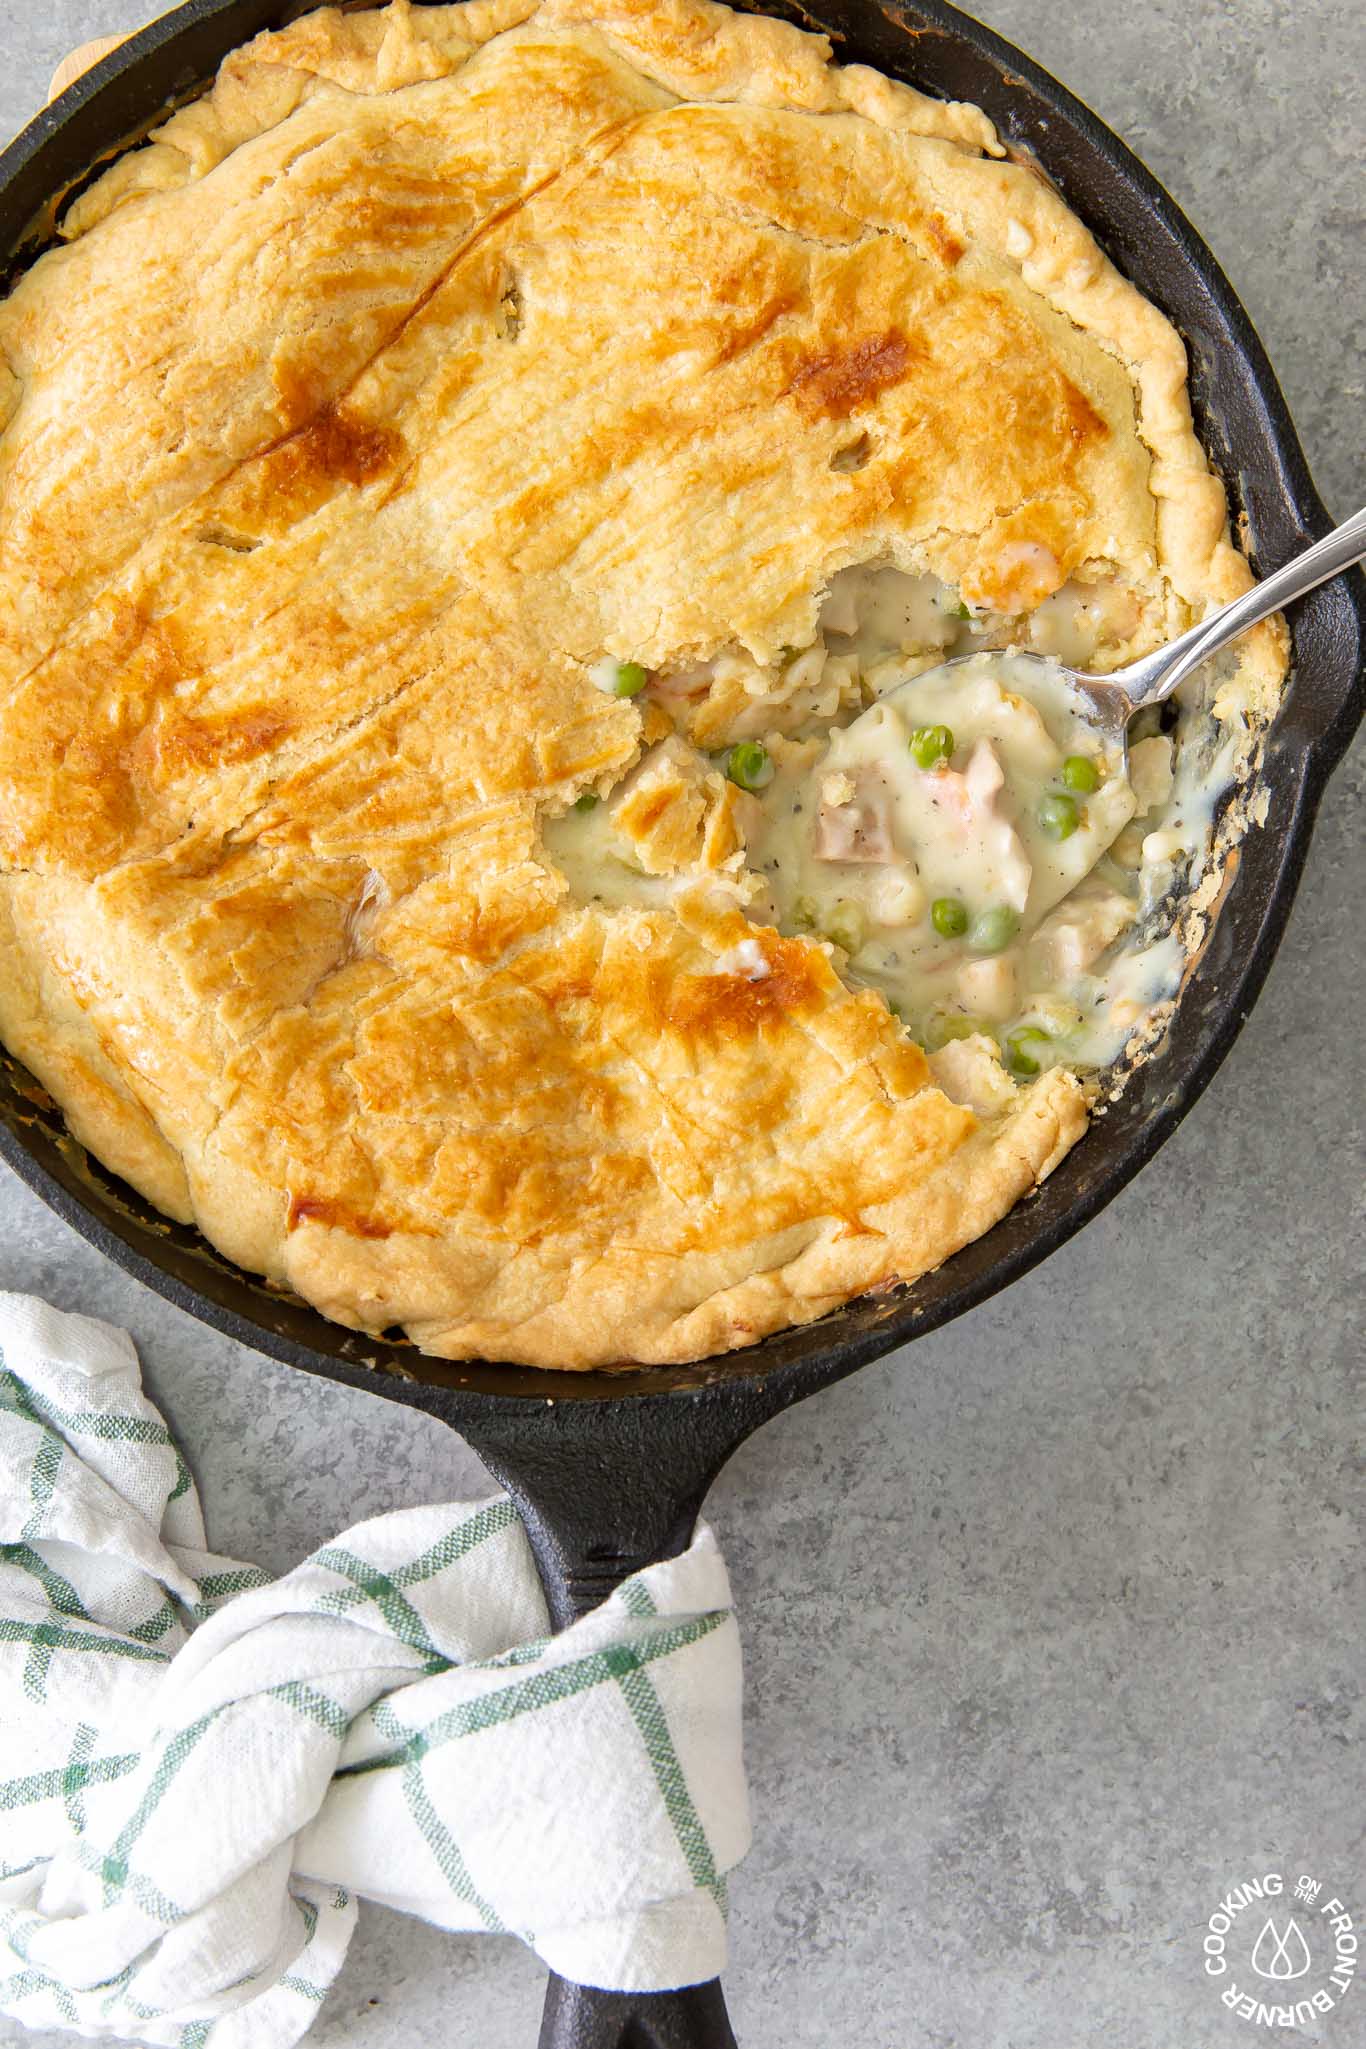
<point>1112,700</point>
<point>937,837</point>
<point>980,843</point>
<point>955,840</point>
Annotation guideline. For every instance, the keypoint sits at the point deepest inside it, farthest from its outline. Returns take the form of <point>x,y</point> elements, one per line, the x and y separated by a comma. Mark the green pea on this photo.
<point>960,611</point>
<point>1058,815</point>
<point>1079,772</point>
<point>930,745</point>
<point>846,923</point>
<point>943,1025</point>
<point>750,765</point>
<point>631,679</point>
<point>806,914</point>
<point>949,917</point>
<point>587,801</point>
<point>1018,1044</point>
<point>993,930</point>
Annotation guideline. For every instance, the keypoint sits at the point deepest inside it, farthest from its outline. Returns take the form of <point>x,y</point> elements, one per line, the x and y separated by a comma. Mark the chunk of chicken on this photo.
<point>897,898</point>
<point>860,828</point>
<point>691,681</point>
<point>1150,772</point>
<point>990,987</point>
<point>983,778</point>
<point>971,801</point>
<point>1071,938</point>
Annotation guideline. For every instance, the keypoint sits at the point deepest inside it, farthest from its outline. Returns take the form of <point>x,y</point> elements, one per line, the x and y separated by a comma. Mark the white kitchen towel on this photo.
<point>201,1769</point>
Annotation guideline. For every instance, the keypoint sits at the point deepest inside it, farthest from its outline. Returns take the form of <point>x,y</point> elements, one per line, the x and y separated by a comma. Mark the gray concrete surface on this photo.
<point>1050,1621</point>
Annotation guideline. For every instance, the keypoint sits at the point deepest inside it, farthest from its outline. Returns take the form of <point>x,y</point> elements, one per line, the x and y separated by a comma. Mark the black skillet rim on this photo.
<point>1301,753</point>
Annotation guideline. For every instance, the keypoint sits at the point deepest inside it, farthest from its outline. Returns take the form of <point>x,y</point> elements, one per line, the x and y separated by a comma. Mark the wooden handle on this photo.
<point>71,68</point>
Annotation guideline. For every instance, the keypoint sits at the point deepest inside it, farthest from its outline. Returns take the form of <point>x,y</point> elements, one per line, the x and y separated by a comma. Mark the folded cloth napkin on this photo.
<point>202,1768</point>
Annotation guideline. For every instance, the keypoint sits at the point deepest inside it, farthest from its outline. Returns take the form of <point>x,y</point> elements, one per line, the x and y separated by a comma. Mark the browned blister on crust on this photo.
<point>433,356</point>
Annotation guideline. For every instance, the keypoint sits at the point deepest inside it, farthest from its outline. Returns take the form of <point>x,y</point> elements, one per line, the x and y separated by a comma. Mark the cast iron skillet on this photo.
<point>610,1469</point>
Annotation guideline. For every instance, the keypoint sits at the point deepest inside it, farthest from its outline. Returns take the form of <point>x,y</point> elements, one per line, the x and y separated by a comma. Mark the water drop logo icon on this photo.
<point>1282,1957</point>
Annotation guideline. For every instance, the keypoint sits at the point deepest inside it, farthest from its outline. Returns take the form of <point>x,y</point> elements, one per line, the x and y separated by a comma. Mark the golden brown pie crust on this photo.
<point>433,354</point>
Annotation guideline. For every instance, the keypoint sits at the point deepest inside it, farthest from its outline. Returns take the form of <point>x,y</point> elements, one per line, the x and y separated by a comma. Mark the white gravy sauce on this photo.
<point>953,881</point>
<point>976,876</point>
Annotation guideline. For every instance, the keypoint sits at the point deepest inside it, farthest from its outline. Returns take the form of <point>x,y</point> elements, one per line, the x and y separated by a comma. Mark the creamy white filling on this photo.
<point>859,841</point>
<point>879,851</point>
<point>884,611</point>
<point>596,862</point>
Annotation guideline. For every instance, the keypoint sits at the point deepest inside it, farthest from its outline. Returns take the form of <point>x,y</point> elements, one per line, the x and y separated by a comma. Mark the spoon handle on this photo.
<point>1150,680</point>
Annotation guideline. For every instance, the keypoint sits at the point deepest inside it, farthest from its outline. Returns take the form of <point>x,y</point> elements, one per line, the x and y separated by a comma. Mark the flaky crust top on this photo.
<point>433,354</point>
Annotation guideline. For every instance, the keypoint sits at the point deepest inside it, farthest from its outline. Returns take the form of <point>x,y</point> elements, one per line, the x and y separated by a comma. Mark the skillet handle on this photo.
<point>577,1578</point>
<point>580,2017</point>
<point>605,1488</point>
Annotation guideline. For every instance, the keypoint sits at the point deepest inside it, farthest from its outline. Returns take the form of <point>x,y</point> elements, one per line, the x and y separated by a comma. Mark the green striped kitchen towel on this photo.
<point>201,1769</point>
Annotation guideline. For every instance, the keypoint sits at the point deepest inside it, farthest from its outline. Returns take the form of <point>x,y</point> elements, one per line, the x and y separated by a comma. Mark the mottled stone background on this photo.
<point>1053,1623</point>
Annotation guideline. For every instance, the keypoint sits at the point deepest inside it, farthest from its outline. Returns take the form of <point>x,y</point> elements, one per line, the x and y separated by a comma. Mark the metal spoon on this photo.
<point>1113,699</point>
